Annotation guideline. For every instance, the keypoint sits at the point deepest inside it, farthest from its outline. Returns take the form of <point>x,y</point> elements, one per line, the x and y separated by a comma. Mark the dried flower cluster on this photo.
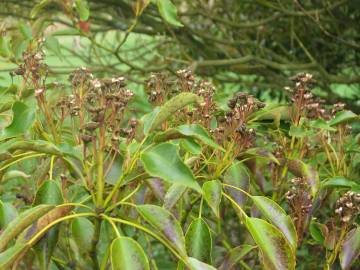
<point>300,202</point>
<point>348,206</point>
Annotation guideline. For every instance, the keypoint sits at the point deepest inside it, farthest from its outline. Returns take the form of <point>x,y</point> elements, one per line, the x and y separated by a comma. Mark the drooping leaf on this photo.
<point>165,223</point>
<point>173,195</point>
<point>278,217</point>
<point>82,8</point>
<point>171,107</point>
<point>23,118</point>
<point>343,117</point>
<point>237,175</point>
<point>127,254</point>
<point>197,265</point>
<point>164,162</point>
<point>7,214</point>
<point>193,131</point>
<point>169,12</point>
<point>212,194</point>
<point>82,231</point>
<point>350,249</point>
<point>276,251</point>
<point>198,240</point>
<point>9,256</point>
<point>22,221</point>
<point>234,256</point>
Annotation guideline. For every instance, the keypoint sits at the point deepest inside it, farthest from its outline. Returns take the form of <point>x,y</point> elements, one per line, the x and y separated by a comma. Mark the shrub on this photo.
<point>89,183</point>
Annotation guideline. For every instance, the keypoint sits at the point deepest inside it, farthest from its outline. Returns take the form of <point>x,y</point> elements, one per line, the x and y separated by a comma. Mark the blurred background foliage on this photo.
<point>240,45</point>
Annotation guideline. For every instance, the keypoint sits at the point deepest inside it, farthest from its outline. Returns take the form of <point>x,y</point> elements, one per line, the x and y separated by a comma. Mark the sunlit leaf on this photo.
<point>169,12</point>
<point>163,161</point>
<point>82,8</point>
<point>343,117</point>
<point>198,265</point>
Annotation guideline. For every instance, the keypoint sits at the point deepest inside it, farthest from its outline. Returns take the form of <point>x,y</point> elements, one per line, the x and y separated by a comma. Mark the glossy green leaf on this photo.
<point>7,214</point>
<point>164,162</point>
<point>343,117</point>
<point>234,256</point>
<point>350,249</point>
<point>237,175</point>
<point>169,12</point>
<point>198,240</point>
<point>165,223</point>
<point>49,193</point>
<point>9,256</point>
<point>82,231</point>
<point>318,231</point>
<point>198,265</point>
<point>22,221</point>
<point>278,217</point>
<point>82,8</point>
<point>127,254</point>
<point>173,195</point>
<point>171,107</point>
<point>23,118</point>
<point>276,251</point>
<point>212,195</point>
<point>193,131</point>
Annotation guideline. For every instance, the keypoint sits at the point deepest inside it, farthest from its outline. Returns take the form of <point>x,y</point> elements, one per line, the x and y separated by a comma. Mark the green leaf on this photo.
<point>82,231</point>
<point>148,119</point>
<point>237,175</point>
<point>165,223</point>
<point>7,214</point>
<point>168,11</point>
<point>198,240</point>
<point>339,181</point>
<point>49,193</point>
<point>191,146</point>
<point>185,131</point>
<point>350,249</point>
<point>24,220</point>
<point>23,118</point>
<point>11,174</point>
<point>321,124</point>
<point>5,46</point>
<point>299,132</point>
<point>276,251</point>
<point>318,231</point>
<point>343,117</point>
<point>53,45</point>
<point>234,256</point>
<point>127,254</point>
<point>163,161</point>
<point>38,7</point>
<point>212,194</point>
<point>171,107</point>
<point>278,217</point>
<point>9,256</point>
<point>82,8</point>
<point>197,265</point>
<point>173,195</point>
